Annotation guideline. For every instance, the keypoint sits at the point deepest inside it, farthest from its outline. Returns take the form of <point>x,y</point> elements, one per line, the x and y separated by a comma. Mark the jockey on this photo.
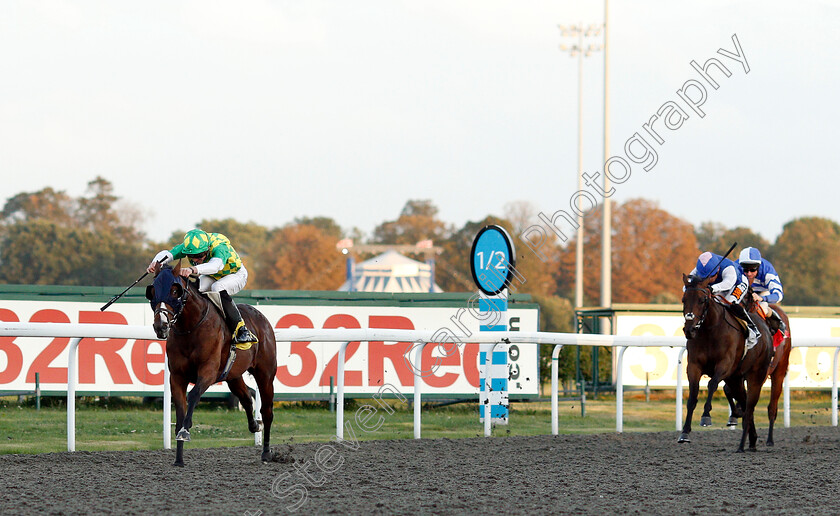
<point>766,285</point>
<point>730,283</point>
<point>219,269</point>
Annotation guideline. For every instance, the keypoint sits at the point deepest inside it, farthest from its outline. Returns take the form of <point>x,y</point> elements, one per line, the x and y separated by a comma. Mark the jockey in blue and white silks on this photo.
<point>730,283</point>
<point>765,282</point>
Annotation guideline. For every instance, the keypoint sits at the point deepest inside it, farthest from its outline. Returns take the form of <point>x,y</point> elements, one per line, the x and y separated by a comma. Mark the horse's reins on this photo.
<point>706,309</point>
<point>183,303</point>
<point>172,317</point>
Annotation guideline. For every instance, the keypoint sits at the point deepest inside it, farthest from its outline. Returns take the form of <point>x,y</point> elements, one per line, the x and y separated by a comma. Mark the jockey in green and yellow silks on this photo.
<point>220,269</point>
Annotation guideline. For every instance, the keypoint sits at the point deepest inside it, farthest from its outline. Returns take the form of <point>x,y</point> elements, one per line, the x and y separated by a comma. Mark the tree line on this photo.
<point>50,238</point>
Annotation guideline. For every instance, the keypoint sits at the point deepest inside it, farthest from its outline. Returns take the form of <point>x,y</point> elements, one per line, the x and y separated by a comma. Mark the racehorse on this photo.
<point>716,347</point>
<point>777,372</point>
<point>198,344</point>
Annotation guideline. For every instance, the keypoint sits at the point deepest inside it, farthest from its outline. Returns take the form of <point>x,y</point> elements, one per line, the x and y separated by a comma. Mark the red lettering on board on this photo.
<point>106,348</point>
<point>42,362</point>
<point>308,360</point>
<point>14,357</point>
<point>470,362</point>
<point>141,358</point>
<point>450,357</point>
<point>351,378</point>
<point>379,351</point>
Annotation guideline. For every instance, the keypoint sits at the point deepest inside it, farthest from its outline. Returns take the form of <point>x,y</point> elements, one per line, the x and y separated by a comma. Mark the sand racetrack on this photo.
<point>569,474</point>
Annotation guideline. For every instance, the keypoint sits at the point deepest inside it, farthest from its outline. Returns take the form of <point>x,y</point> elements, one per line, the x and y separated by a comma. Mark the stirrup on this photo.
<point>242,337</point>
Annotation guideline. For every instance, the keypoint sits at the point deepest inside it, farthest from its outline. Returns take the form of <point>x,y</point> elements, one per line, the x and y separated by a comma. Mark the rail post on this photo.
<point>555,358</point>
<point>72,379</point>
<point>339,408</point>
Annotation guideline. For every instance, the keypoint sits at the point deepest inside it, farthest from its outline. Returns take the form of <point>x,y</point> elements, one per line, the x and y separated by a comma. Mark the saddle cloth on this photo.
<point>216,299</point>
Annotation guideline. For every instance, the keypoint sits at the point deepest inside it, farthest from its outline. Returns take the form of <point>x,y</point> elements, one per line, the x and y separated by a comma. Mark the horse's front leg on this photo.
<point>706,418</point>
<point>753,393</point>
<point>206,378</point>
<point>178,388</point>
<point>693,373</point>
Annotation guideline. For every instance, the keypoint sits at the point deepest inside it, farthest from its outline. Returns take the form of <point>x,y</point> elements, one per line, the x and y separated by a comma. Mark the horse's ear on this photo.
<point>150,292</point>
<point>705,282</point>
<point>177,270</point>
<point>158,265</point>
<point>685,280</point>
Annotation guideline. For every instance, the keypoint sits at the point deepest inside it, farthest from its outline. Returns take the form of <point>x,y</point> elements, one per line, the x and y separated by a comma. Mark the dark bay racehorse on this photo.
<point>777,372</point>
<point>197,350</point>
<point>716,344</point>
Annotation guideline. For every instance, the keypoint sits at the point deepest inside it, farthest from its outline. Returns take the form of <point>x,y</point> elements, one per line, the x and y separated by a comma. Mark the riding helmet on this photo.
<point>196,241</point>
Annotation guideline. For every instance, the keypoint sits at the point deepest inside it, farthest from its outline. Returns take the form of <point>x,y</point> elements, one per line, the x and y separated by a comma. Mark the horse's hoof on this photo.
<point>684,439</point>
<point>706,421</point>
<point>179,464</point>
<point>739,450</point>
<point>770,443</point>
<point>183,435</point>
<point>267,456</point>
<point>733,421</point>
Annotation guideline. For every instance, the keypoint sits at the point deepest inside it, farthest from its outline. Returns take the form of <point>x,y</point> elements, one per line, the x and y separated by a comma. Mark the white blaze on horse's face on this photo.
<point>163,320</point>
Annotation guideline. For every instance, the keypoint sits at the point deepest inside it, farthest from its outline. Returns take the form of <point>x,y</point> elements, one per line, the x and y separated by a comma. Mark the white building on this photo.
<point>390,272</point>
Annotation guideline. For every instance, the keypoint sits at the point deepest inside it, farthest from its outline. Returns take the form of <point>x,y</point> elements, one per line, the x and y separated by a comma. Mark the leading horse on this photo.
<point>716,347</point>
<point>198,344</point>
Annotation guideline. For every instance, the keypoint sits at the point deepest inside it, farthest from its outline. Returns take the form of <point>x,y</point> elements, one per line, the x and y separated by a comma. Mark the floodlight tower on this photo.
<point>580,51</point>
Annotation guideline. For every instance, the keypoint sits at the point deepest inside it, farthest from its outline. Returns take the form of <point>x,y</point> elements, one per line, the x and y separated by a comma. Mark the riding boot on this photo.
<point>242,336</point>
<point>781,333</point>
<point>739,312</point>
<point>782,325</point>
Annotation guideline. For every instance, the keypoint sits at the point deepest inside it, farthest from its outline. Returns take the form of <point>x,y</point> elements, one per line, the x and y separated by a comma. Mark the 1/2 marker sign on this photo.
<point>492,260</point>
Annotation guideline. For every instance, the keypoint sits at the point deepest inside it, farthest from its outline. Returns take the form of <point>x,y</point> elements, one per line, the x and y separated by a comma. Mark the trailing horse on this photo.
<point>716,347</point>
<point>198,345</point>
<point>777,372</point>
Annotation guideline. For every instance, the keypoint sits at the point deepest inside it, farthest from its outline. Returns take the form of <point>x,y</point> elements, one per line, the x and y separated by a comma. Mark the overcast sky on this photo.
<point>267,111</point>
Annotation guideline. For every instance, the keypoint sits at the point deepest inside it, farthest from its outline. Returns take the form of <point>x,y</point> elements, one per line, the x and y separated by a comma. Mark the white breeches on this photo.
<point>233,283</point>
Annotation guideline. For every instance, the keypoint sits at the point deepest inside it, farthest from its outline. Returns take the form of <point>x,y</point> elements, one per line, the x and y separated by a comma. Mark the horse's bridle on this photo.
<point>171,315</point>
<point>706,299</point>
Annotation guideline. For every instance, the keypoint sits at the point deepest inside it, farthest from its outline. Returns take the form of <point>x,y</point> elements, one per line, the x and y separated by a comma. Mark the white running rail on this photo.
<point>344,336</point>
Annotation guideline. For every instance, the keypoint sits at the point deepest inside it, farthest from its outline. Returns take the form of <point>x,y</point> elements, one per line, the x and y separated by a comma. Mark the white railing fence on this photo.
<point>344,336</point>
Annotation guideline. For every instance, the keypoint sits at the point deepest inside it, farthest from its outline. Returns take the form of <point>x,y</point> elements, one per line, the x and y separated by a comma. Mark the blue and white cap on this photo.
<point>705,262</point>
<point>749,256</point>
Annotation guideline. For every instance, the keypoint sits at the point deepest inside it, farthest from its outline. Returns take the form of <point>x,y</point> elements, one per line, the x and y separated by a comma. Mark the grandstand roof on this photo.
<point>391,272</point>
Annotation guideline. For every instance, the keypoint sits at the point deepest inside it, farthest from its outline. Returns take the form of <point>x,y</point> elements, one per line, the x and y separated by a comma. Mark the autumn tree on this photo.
<point>417,221</point>
<point>650,250</point>
<point>744,237</point>
<point>327,225</point>
<point>805,256</point>
<point>300,257</point>
<point>47,237</point>
<point>708,233</point>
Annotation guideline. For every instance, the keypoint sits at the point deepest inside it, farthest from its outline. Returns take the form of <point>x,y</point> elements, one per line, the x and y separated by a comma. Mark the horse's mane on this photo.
<point>192,283</point>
